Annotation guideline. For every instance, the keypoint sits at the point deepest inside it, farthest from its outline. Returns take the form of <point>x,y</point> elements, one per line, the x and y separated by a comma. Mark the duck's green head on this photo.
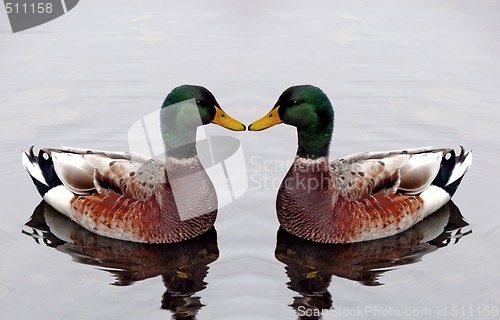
<point>207,108</point>
<point>307,108</point>
<point>185,109</point>
<point>300,106</point>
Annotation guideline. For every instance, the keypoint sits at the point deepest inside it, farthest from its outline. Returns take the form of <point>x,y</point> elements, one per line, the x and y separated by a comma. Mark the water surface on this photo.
<point>422,74</point>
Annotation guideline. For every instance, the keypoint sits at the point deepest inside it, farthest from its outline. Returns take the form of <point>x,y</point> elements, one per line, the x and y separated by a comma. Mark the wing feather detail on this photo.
<point>408,171</point>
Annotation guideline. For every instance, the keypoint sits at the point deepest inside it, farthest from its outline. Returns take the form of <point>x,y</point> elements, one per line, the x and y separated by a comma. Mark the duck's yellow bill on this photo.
<point>266,121</point>
<point>222,119</point>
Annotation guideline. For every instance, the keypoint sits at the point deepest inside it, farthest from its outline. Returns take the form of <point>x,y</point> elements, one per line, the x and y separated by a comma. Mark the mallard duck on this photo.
<point>133,197</point>
<point>360,197</point>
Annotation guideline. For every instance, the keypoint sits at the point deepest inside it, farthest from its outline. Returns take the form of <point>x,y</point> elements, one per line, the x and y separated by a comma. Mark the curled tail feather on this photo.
<point>452,170</point>
<point>41,170</point>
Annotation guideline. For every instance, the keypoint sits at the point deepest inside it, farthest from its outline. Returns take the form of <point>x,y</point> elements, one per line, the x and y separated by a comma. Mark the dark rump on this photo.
<point>446,170</point>
<point>47,170</point>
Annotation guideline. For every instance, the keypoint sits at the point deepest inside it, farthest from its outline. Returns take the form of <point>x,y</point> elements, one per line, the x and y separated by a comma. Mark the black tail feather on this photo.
<point>47,166</point>
<point>448,164</point>
<point>44,161</point>
<point>445,169</point>
<point>452,187</point>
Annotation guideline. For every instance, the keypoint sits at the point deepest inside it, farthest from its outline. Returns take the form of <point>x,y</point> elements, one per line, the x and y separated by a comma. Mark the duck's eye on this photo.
<point>198,102</point>
<point>295,102</point>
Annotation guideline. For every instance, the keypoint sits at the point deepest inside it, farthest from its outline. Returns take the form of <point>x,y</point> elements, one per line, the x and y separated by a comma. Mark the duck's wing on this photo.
<point>84,171</point>
<point>408,171</point>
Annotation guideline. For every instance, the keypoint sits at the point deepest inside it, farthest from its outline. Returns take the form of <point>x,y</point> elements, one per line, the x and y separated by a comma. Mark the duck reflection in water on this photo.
<point>310,266</point>
<point>183,265</point>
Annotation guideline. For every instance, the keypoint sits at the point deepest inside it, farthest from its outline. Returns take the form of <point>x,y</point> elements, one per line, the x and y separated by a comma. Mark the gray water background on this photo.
<point>400,75</point>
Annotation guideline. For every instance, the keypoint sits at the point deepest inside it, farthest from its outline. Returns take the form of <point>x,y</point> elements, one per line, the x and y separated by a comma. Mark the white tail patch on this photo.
<point>434,198</point>
<point>60,199</point>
